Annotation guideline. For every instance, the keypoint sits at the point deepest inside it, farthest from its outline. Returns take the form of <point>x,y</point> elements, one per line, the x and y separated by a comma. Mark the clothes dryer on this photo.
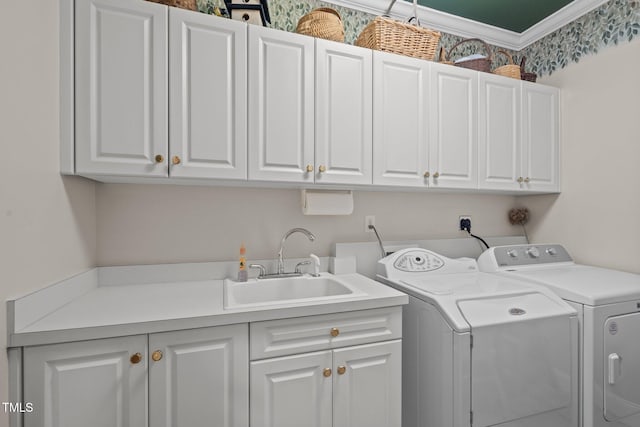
<point>479,349</point>
<point>608,306</point>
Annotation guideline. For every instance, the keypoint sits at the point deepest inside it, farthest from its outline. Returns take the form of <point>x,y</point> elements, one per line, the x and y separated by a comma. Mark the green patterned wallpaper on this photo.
<point>614,22</point>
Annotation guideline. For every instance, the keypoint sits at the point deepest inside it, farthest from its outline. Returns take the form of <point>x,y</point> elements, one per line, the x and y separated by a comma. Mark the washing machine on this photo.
<point>480,349</point>
<point>608,306</point>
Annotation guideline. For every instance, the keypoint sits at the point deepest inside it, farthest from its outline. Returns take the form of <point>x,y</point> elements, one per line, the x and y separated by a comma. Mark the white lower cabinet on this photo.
<point>292,391</point>
<point>88,383</point>
<point>349,387</point>
<point>194,377</point>
<point>200,377</point>
<point>340,385</point>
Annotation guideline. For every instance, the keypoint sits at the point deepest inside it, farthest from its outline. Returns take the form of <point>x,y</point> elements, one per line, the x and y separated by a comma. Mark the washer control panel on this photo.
<point>412,263</point>
<point>520,255</point>
<point>418,261</point>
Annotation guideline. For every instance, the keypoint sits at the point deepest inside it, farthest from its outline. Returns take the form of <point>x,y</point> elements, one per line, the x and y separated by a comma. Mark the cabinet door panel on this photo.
<point>121,87</point>
<point>453,155</point>
<point>208,69</point>
<point>292,391</point>
<point>88,383</point>
<point>281,102</point>
<point>343,113</point>
<point>540,137</point>
<point>400,140</point>
<point>499,133</point>
<point>368,392</point>
<point>202,378</point>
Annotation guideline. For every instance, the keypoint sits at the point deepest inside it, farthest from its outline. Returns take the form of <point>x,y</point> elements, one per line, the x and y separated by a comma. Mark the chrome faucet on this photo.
<point>304,231</point>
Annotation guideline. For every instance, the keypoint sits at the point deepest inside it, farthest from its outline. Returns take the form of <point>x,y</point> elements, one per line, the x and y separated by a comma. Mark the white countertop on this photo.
<point>112,310</point>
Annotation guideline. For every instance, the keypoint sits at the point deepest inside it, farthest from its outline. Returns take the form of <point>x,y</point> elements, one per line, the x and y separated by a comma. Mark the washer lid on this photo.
<point>508,309</point>
<point>585,284</point>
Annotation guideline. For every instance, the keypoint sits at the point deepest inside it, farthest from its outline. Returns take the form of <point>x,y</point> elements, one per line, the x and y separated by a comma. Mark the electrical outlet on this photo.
<point>464,222</point>
<point>369,220</point>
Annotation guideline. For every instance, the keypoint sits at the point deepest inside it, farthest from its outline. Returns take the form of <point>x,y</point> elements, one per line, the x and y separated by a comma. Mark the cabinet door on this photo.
<point>121,88</point>
<point>453,146</point>
<point>540,136</point>
<point>88,383</point>
<point>292,391</point>
<point>367,385</point>
<point>208,109</point>
<point>201,377</point>
<point>281,102</point>
<point>400,116</point>
<point>499,133</point>
<point>343,113</point>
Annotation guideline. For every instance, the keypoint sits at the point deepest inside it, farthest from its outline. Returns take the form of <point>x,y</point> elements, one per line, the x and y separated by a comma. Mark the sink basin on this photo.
<point>284,290</point>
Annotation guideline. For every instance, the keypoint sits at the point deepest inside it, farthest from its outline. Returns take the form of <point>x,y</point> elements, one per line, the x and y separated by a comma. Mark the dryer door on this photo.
<point>520,359</point>
<point>621,366</point>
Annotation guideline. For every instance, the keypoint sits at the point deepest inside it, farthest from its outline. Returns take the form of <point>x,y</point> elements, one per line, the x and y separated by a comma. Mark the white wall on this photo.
<point>141,224</point>
<point>47,223</point>
<point>596,216</point>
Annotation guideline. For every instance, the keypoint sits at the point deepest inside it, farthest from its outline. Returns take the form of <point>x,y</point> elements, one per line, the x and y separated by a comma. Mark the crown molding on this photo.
<point>467,28</point>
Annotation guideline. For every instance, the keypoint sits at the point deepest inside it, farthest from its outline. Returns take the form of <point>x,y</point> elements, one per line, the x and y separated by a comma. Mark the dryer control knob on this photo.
<point>533,252</point>
<point>512,253</point>
<point>552,251</point>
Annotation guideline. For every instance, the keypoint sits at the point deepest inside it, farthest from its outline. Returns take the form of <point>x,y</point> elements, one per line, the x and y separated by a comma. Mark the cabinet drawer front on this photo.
<point>298,335</point>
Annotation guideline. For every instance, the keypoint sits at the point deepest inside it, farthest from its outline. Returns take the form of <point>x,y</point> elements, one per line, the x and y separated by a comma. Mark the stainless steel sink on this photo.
<point>284,290</point>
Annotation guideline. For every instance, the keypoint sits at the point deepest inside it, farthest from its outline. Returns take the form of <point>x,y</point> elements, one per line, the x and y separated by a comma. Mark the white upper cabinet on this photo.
<point>400,117</point>
<point>453,127</point>
<point>208,96</point>
<point>499,141</point>
<point>121,88</point>
<point>540,136</point>
<point>343,113</point>
<point>281,106</point>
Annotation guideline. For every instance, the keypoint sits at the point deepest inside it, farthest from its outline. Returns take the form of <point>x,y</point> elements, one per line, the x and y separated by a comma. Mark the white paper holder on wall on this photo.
<point>327,202</point>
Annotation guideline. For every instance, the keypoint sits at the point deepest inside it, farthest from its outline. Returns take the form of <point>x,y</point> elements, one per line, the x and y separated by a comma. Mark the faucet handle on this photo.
<point>260,267</point>
<point>316,265</point>
<point>300,264</point>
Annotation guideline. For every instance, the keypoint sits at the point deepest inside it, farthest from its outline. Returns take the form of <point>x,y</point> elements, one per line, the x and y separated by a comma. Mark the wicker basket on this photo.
<point>183,4</point>
<point>530,77</point>
<point>509,70</point>
<point>324,23</point>
<point>479,64</point>
<point>389,35</point>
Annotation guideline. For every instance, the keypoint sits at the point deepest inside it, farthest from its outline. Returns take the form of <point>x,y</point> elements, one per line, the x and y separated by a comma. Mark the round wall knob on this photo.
<point>427,174</point>
<point>246,17</point>
<point>342,370</point>
<point>526,180</point>
<point>156,355</point>
<point>520,180</point>
<point>436,175</point>
<point>176,160</point>
<point>322,169</point>
<point>159,158</point>
<point>136,358</point>
<point>326,372</point>
<point>335,332</point>
<point>309,168</point>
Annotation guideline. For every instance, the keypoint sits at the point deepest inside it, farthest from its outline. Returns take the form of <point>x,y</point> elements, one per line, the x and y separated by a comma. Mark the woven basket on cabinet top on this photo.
<point>393,36</point>
<point>509,70</point>
<point>479,64</point>
<point>530,77</point>
<point>183,4</point>
<point>324,23</point>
